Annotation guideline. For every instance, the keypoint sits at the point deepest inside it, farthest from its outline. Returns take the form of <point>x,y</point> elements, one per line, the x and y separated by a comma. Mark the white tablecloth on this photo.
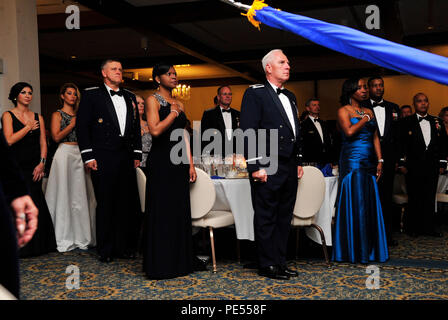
<point>234,195</point>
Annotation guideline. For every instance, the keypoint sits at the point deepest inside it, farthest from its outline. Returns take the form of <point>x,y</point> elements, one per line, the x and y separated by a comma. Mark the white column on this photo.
<point>19,50</point>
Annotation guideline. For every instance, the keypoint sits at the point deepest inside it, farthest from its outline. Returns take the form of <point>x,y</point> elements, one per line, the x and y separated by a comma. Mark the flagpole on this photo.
<point>239,5</point>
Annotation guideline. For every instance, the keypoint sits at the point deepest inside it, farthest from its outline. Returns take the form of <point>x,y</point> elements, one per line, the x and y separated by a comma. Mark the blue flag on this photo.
<point>358,44</point>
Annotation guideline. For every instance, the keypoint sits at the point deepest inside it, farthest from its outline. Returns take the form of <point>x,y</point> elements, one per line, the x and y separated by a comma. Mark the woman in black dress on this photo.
<point>167,236</point>
<point>24,131</point>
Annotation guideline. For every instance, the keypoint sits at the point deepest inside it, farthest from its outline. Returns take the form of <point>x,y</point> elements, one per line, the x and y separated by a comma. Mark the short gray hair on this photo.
<point>268,58</point>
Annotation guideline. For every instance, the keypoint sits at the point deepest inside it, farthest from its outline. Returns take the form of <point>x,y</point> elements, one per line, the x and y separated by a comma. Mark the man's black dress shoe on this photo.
<point>106,259</point>
<point>273,273</point>
<point>288,272</point>
<point>413,234</point>
<point>392,243</point>
<point>129,255</point>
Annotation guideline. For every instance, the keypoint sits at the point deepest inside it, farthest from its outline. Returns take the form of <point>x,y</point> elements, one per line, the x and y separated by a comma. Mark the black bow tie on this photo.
<point>119,93</point>
<point>225,110</point>
<point>316,120</point>
<point>376,104</point>
<point>281,91</point>
<point>423,118</point>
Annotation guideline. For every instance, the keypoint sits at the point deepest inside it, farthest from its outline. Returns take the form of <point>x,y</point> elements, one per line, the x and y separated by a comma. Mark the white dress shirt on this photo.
<point>120,109</point>
<point>287,106</point>
<point>227,116</point>
<point>380,115</point>
<point>318,127</point>
<point>425,126</point>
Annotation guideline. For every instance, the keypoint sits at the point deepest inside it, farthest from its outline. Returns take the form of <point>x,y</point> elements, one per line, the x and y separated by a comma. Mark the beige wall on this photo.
<point>19,49</point>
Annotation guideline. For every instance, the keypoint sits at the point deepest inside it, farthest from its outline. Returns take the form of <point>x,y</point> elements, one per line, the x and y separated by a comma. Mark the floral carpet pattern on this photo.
<point>417,270</point>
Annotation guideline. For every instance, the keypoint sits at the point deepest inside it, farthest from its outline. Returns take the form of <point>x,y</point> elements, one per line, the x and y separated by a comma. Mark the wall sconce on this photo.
<point>182,91</point>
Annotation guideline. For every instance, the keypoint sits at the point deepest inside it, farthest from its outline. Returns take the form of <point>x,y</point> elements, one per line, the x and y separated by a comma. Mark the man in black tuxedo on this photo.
<point>387,119</point>
<point>271,107</point>
<point>108,131</point>
<point>316,138</point>
<point>222,120</point>
<point>424,150</point>
<point>17,211</point>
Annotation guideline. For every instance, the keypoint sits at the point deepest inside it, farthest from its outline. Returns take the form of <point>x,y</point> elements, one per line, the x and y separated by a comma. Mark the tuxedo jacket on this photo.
<point>390,139</point>
<point>415,154</point>
<point>213,119</point>
<point>261,108</point>
<point>97,126</point>
<point>313,148</point>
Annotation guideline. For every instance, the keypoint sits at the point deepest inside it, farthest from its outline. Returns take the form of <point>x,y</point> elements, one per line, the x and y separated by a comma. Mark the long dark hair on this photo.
<point>349,87</point>
<point>16,89</point>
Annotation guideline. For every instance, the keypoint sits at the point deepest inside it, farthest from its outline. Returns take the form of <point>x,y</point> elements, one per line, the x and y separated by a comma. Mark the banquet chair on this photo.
<point>141,184</point>
<point>442,198</point>
<point>309,199</point>
<point>202,199</point>
<point>5,294</point>
<point>400,197</point>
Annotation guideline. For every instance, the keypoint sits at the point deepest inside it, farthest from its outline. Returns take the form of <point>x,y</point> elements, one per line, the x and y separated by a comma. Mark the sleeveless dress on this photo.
<point>26,152</point>
<point>70,196</point>
<point>359,234</point>
<point>167,239</point>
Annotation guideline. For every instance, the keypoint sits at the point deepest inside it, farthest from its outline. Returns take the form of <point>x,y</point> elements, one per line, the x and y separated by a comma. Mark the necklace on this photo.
<point>360,112</point>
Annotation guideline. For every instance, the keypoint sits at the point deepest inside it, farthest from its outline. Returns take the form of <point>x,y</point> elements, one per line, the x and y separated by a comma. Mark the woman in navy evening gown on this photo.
<point>168,242</point>
<point>359,234</point>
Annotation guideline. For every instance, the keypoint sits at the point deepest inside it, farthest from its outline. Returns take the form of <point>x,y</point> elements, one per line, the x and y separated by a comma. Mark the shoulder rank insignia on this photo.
<point>256,86</point>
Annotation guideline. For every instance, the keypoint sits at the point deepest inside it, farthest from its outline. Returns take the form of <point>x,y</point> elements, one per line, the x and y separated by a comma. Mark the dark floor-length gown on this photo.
<point>26,152</point>
<point>359,234</point>
<point>167,237</point>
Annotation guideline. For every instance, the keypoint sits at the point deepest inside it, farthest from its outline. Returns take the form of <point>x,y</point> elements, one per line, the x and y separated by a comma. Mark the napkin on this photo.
<point>327,170</point>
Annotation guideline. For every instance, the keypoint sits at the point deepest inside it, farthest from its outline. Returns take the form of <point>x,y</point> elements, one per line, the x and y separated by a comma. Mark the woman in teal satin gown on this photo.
<point>359,234</point>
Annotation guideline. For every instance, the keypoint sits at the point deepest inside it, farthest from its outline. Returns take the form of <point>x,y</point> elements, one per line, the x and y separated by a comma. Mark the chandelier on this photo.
<point>182,91</point>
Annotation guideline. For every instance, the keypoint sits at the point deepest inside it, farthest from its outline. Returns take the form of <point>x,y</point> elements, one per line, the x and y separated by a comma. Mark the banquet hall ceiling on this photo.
<point>213,42</point>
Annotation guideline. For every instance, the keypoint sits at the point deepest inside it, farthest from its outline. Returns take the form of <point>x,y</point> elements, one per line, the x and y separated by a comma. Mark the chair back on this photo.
<point>141,184</point>
<point>5,294</point>
<point>310,193</point>
<point>202,195</point>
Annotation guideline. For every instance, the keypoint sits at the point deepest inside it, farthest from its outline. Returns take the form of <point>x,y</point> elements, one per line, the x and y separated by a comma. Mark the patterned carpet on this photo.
<point>417,270</point>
